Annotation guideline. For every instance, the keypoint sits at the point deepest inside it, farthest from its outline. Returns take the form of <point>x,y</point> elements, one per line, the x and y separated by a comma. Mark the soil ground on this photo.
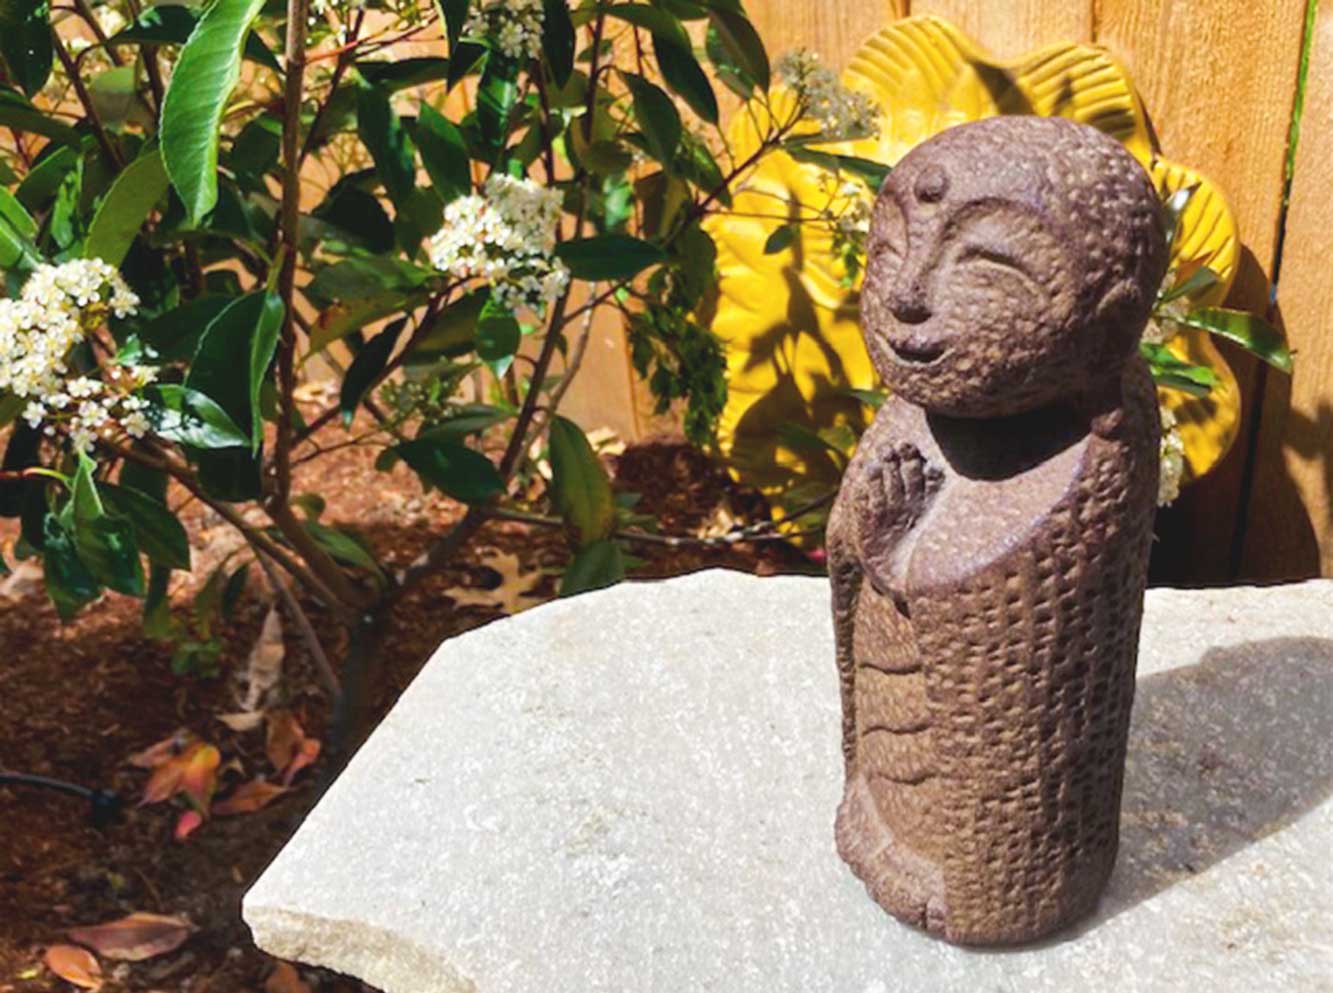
<point>77,699</point>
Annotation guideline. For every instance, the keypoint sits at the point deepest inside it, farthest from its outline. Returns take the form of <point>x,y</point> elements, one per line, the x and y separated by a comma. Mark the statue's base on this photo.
<point>634,791</point>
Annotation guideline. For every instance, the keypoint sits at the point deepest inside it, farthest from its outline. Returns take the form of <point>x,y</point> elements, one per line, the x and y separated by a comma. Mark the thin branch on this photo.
<point>332,686</point>
<point>85,98</point>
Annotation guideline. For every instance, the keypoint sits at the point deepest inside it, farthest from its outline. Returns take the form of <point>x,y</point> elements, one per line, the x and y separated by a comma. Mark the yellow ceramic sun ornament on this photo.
<point>787,310</point>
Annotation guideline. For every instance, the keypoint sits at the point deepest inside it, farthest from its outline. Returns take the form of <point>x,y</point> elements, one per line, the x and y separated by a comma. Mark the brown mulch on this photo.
<point>77,699</point>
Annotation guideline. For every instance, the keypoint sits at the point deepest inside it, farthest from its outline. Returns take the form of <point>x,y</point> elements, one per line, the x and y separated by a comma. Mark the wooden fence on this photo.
<point>1220,79</point>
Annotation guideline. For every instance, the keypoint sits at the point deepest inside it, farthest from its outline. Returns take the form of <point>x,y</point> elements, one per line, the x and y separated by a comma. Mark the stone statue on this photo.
<point>989,546</point>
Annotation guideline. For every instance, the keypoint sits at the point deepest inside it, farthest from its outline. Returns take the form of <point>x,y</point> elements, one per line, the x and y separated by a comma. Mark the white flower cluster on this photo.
<point>516,26</point>
<point>1173,460</point>
<point>1164,324</point>
<point>57,308</point>
<point>505,237</point>
<point>842,114</point>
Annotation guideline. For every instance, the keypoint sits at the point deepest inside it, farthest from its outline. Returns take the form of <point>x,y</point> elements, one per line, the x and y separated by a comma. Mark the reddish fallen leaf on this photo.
<point>285,979</point>
<point>306,756</point>
<point>192,772</point>
<point>186,824</point>
<point>284,738</point>
<point>136,937</point>
<point>162,752</point>
<point>200,779</point>
<point>248,797</point>
<point>75,965</point>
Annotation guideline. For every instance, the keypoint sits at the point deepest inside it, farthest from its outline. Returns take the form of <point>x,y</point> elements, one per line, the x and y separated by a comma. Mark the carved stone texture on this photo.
<point>989,546</point>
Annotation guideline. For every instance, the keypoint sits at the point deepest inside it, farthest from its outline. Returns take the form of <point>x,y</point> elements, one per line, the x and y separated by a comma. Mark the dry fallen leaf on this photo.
<point>283,738</point>
<point>306,756</point>
<point>75,965</point>
<point>285,979</point>
<point>287,746</point>
<point>263,669</point>
<point>249,797</point>
<point>161,752</point>
<point>136,937</point>
<point>25,580</point>
<point>243,720</point>
<point>512,595</point>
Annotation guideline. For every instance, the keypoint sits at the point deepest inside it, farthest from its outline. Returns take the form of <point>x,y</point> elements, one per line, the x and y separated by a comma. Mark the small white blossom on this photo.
<point>57,308</point>
<point>515,26</point>
<point>506,238</point>
<point>842,114</point>
<point>1173,460</point>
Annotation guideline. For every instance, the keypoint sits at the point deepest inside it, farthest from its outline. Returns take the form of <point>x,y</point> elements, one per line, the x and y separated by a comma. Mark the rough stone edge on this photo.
<point>354,948</point>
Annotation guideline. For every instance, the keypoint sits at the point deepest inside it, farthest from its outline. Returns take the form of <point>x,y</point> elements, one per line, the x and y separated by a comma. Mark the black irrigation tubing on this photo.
<point>104,806</point>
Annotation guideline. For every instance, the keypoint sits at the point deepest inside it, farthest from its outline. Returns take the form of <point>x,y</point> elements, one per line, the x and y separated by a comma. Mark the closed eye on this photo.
<point>989,256</point>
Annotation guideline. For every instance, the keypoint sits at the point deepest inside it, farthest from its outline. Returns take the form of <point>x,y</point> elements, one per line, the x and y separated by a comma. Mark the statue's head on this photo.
<point>1011,263</point>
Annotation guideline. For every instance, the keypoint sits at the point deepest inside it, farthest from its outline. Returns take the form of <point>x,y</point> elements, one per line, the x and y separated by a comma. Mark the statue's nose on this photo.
<point>909,302</point>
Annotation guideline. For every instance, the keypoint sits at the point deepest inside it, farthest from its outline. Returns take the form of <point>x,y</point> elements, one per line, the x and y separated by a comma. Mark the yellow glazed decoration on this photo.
<point>788,319</point>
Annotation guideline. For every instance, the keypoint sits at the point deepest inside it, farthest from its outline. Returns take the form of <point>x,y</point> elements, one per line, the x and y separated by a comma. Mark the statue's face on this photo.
<point>970,295</point>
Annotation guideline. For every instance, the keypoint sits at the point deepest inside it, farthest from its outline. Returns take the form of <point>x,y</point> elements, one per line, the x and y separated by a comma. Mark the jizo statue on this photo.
<point>989,546</point>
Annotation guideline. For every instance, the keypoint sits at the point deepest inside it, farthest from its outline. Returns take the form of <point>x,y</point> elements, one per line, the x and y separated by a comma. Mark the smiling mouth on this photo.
<point>917,351</point>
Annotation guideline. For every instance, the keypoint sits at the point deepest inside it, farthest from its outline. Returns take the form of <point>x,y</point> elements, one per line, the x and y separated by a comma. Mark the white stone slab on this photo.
<point>634,791</point>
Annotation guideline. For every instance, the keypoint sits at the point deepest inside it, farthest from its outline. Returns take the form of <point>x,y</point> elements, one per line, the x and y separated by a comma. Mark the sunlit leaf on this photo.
<point>580,488</point>
<point>74,965</point>
<point>122,211</point>
<point>1251,332</point>
<point>248,797</point>
<point>201,84</point>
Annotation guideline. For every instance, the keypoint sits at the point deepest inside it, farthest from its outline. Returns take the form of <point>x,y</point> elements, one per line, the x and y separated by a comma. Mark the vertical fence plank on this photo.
<point>1218,77</point>
<point>1290,519</point>
<point>833,29</point>
<point>1009,28</point>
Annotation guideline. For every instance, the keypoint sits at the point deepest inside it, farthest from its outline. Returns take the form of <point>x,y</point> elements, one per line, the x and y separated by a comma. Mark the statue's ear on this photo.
<point>1119,320</point>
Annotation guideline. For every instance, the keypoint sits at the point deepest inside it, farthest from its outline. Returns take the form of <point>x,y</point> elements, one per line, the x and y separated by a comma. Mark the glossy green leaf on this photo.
<point>69,583</point>
<point>498,333</point>
<point>17,229</point>
<point>124,208</point>
<point>1252,333</point>
<point>387,141</point>
<point>175,335</point>
<point>454,15</point>
<point>742,44</point>
<point>343,546</point>
<point>656,20</point>
<point>455,469</point>
<point>466,420</point>
<point>105,543</point>
<point>580,487</point>
<point>657,117</point>
<point>403,73</point>
<point>1195,284</point>
<point>444,154</point>
<point>157,530</point>
<point>233,356</point>
<point>188,417</point>
<point>686,78</point>
<point>367,367</point>
<point>497,95</point>
<point>202,83</point>
<point>453,332</point>
<point>558,40</point>
<point>25,42</point>
<point>874,173</point>
<point>360,215</point>
<point>608,256</point>
<point>365,278</point>
<point>342,319</point>
<point>595,567</point>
